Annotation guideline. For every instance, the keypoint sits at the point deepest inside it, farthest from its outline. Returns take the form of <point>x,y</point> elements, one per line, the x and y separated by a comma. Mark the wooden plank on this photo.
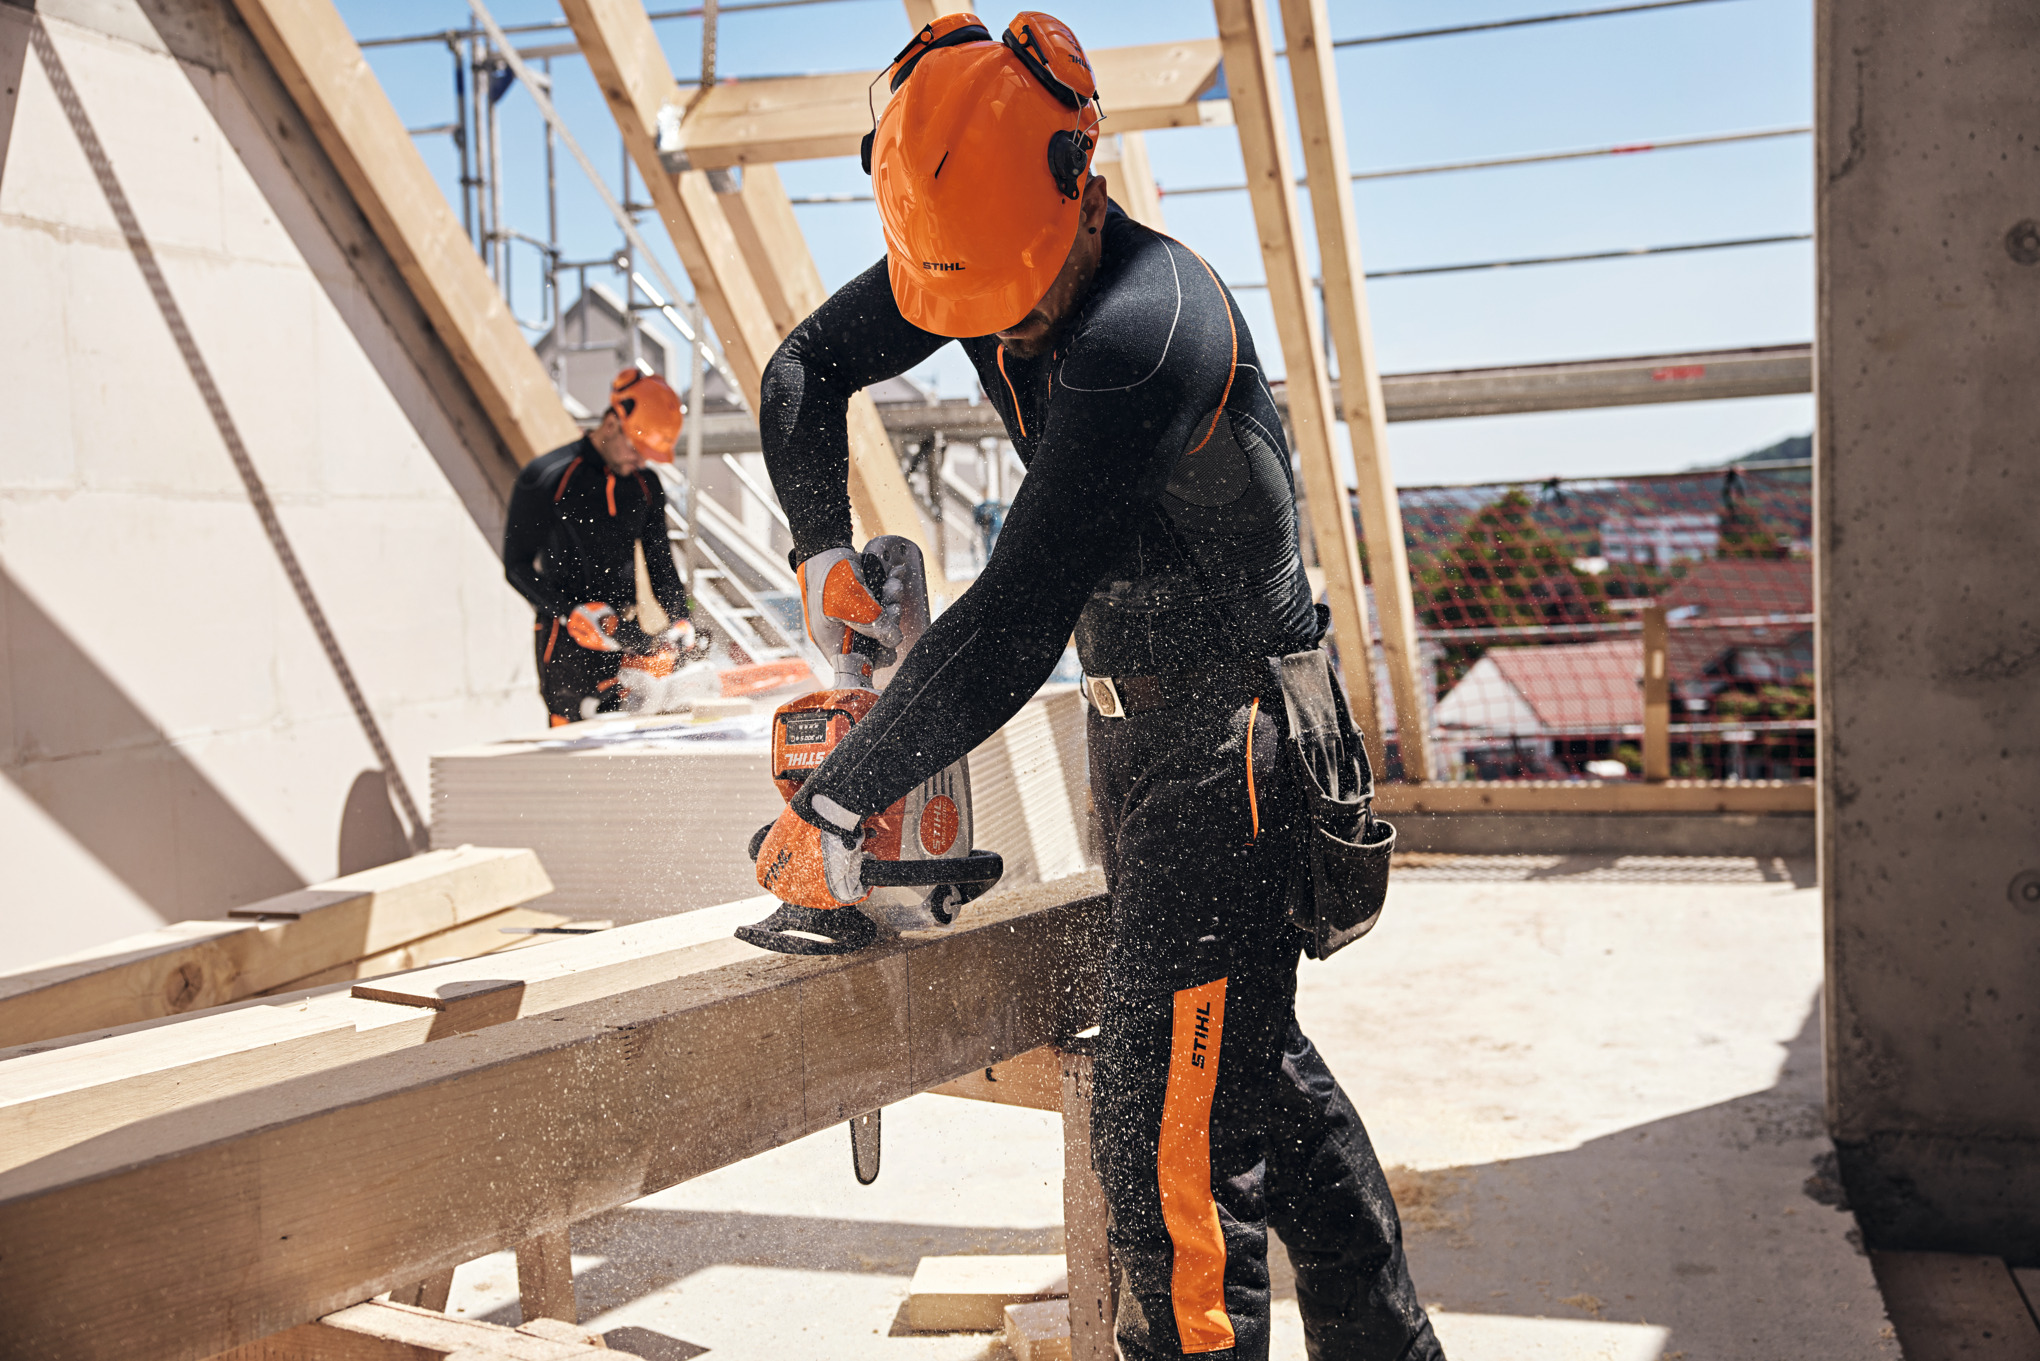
<point>390,1331</point>
<point>1529,797</point>
<point>1948,1306</point>
<point>1123,160</point>
<point>55,1098</point>
<point>1264,144</point>
<point>482,936</point>
<point>1323,130</point>
<point>769,235</point>
<point>194,965</point>
<point>316,58</point>
<point>1657,695</point>
<point>1033,1080</point>
<point>970,1294</point>
<point>328,1189</point>
<point>798,118</point>
<point>545,1277</point>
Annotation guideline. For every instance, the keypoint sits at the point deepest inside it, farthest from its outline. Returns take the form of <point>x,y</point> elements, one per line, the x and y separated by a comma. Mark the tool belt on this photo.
<point>1336,891</point>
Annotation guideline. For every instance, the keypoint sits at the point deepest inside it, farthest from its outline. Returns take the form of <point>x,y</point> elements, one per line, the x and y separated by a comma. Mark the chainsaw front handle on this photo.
<point>979,867</point>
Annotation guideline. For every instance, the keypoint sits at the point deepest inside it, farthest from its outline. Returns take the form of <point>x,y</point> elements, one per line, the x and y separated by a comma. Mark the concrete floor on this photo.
<point>1597,1082</point>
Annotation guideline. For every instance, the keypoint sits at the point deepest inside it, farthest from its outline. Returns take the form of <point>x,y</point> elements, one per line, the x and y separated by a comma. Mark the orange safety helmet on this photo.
<point>978,164</point>
<point>649,410</point>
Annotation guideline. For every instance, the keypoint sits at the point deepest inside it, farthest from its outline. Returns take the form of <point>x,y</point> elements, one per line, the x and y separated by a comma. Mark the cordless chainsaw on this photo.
<point>916,856</point>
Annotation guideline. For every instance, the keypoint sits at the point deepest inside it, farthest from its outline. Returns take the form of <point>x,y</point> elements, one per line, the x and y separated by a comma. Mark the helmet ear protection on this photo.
<point>1051,54</point>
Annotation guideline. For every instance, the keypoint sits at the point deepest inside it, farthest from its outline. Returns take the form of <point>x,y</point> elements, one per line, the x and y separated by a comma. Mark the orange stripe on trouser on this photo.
<point>1183,1170</point>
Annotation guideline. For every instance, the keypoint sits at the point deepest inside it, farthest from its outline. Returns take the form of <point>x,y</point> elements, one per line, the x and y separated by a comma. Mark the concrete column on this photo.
<point>1928,468</point>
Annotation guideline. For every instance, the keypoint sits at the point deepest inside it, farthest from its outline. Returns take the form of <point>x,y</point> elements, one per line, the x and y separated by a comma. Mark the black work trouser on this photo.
<point>1214,1118</point>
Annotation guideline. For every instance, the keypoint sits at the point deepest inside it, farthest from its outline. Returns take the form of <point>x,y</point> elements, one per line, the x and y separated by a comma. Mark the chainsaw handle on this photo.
<point>979,867</point>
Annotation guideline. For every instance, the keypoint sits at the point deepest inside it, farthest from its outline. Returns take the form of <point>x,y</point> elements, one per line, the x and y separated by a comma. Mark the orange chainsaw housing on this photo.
<point>805,730</point>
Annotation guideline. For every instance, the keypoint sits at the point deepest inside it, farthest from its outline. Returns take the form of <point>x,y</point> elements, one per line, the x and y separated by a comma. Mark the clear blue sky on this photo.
<point>1708,68</point>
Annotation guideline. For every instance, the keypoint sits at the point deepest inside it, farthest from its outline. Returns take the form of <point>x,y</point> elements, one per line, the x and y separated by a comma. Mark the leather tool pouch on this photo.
<point>1337,890</point>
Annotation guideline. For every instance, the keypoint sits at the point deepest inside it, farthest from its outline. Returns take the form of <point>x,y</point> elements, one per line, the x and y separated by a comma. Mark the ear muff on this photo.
<point>928,40</point>
<point>1069,155</point>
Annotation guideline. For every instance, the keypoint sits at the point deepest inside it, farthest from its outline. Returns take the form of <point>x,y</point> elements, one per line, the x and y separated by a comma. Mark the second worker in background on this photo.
<point>578,517</point>
<point>1158,522</point>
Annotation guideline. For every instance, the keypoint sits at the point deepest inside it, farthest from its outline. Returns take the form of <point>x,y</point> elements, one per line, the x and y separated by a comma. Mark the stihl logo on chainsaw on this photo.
<point>773,871</point>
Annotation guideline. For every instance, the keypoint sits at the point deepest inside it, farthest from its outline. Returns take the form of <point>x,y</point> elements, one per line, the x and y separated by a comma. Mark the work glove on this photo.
<point>834,599</point>
<point>594,626</point>
<point>680,635</point>
<point>811,859</point>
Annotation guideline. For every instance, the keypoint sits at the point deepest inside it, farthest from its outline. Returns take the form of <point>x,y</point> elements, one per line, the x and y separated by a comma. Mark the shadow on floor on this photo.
<point>1724,1224</point>
<point>648,1249</point>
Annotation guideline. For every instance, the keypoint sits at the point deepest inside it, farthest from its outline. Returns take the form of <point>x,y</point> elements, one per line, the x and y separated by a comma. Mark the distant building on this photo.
<point>1659,541</point>
<point>1542,711</point>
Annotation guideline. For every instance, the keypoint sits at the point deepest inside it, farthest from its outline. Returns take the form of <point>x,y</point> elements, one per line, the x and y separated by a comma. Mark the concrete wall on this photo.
<point>173,736</point>
<point>1928,468</point>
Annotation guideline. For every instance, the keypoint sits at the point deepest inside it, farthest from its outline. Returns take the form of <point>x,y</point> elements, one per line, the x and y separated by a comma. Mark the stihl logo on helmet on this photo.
<point>941,264</point>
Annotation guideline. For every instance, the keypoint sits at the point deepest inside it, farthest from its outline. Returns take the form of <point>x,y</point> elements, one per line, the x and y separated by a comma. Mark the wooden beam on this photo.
<point>1535,797</point>
<point>1264,144</point>
<point>1123,160</point>
<point>193,965</point>
<point>769,235</point>
<point>630,67</point>
<point>1315,82</point>
<point>800,118</point>
<point>313,1193</point>
<point>617,39</point>
<point>316,58</point>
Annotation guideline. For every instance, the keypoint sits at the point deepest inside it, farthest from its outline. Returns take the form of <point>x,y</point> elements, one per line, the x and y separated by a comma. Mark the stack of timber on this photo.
<point>448,904</point>
<point>534,1090</point>
<point>643,817</point>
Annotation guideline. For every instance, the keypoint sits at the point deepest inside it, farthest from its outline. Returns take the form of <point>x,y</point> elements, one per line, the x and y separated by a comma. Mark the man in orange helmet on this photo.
<point>577,517</point>
<point>1158,522</point>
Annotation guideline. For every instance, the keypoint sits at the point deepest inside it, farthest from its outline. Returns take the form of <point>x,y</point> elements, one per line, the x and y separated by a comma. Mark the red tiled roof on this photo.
<point>1582,687</point>
<point>1728,587</point>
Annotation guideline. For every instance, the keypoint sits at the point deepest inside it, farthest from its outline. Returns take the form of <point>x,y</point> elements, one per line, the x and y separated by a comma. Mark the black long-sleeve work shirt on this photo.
<point>571,529</point>
<point>1157,518</point>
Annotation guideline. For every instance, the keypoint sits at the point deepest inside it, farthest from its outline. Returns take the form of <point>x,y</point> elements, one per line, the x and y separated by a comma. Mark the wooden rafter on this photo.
<point>314,1193</point>
<point>744,304</point>
<point>770,237</point>
<point>1250,75</point>
<point>1123,160</point>
<point>316,58</point>
<point>1315,82</point>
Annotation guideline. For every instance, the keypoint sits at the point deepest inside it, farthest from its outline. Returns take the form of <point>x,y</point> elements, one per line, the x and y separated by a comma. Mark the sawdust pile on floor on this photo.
<point>1585,1303</point>
<point>1433,1201</point>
